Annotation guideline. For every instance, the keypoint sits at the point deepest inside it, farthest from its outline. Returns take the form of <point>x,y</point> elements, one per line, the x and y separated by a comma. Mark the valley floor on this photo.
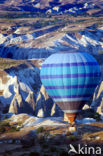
<point>53,139</point>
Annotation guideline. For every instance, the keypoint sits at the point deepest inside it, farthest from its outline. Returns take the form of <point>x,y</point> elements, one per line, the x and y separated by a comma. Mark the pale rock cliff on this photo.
<point>22,92</point>
<point>97,103</point>
<point>45,105</point>
<point>31,101</point>
<point>18,105</point>
<point>43,43</point>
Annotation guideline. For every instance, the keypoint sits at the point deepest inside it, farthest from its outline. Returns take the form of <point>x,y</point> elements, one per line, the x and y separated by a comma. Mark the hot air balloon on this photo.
<point>70,78</point>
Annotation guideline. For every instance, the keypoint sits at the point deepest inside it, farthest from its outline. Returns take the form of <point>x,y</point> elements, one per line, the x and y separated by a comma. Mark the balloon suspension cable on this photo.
<point>72,128</point>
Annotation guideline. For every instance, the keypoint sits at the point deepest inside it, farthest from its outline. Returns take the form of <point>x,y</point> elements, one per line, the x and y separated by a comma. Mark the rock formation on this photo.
<point>45,105</point>
<point>18,105</point>
<point>97,103</point>
<point>30,100</point>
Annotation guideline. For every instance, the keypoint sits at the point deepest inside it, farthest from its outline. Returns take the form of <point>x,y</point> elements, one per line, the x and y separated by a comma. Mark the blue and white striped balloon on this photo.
<point>70,79</point>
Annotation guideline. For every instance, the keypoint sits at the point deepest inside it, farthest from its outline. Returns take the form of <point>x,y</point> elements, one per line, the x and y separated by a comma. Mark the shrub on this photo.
<point>17,129</point>
<point>12,130</point>
<point>6,127</point>
<point>46,133</point>
<point>40,130</point>
<point>4,123</point>
<point>97,117</point>
<point>5,117</point>
<point>19,123</point>
<point>72,137</point>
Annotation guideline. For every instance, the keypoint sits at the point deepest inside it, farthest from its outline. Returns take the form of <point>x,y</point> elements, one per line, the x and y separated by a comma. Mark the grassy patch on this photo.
<point>4,123</point>
<point>19,123</point>
<point>8,63</point>
<point>5,127</point>
<point>40,130</point>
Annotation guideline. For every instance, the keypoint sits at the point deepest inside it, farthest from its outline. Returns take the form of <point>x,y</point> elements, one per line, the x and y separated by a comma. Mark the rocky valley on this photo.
<point>30,31</point>
<point>24,48</point>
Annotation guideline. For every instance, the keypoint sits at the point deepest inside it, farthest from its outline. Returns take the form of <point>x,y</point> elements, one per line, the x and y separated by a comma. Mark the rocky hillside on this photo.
<point>31,124</point>
<point>27,135</point>
<point>54,6</point>
<point>21,90</point>
<point>32,42</point>
<point>26,39</point>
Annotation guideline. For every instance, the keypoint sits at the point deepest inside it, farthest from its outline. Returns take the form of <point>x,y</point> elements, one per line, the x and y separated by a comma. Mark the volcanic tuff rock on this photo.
<point>35,37</point>
<point>31,100</point>
<point>45,105</point>
<point>21,92</point>
<point>53,6</point>
<point>21,95</point>
<point>33,45</point>
<point>18,105</point>
<point>97,103</point>
<point>17,88</point>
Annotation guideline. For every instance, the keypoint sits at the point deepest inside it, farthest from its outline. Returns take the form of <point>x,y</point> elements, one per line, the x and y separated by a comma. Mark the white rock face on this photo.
<point>31,100</point>
<point>26,78</point>
<point>40,113</point>
<point>56,9</point>
<point>45,105</point>
<point>25,47</point>
<point>29,121</point>
<point>23,93</point>
<point>97,103</point>
<point>32,121</point>
<point>18,105</point>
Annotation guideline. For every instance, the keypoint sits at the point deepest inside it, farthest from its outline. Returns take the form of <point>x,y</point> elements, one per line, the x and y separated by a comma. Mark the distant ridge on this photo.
<point>53,6</point>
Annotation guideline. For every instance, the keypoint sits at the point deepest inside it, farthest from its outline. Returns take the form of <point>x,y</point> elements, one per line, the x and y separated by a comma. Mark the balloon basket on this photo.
<point>71,120</point>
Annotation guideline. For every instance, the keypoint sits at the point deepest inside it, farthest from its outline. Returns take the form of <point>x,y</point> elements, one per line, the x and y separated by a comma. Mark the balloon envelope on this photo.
<point>70,79</point>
